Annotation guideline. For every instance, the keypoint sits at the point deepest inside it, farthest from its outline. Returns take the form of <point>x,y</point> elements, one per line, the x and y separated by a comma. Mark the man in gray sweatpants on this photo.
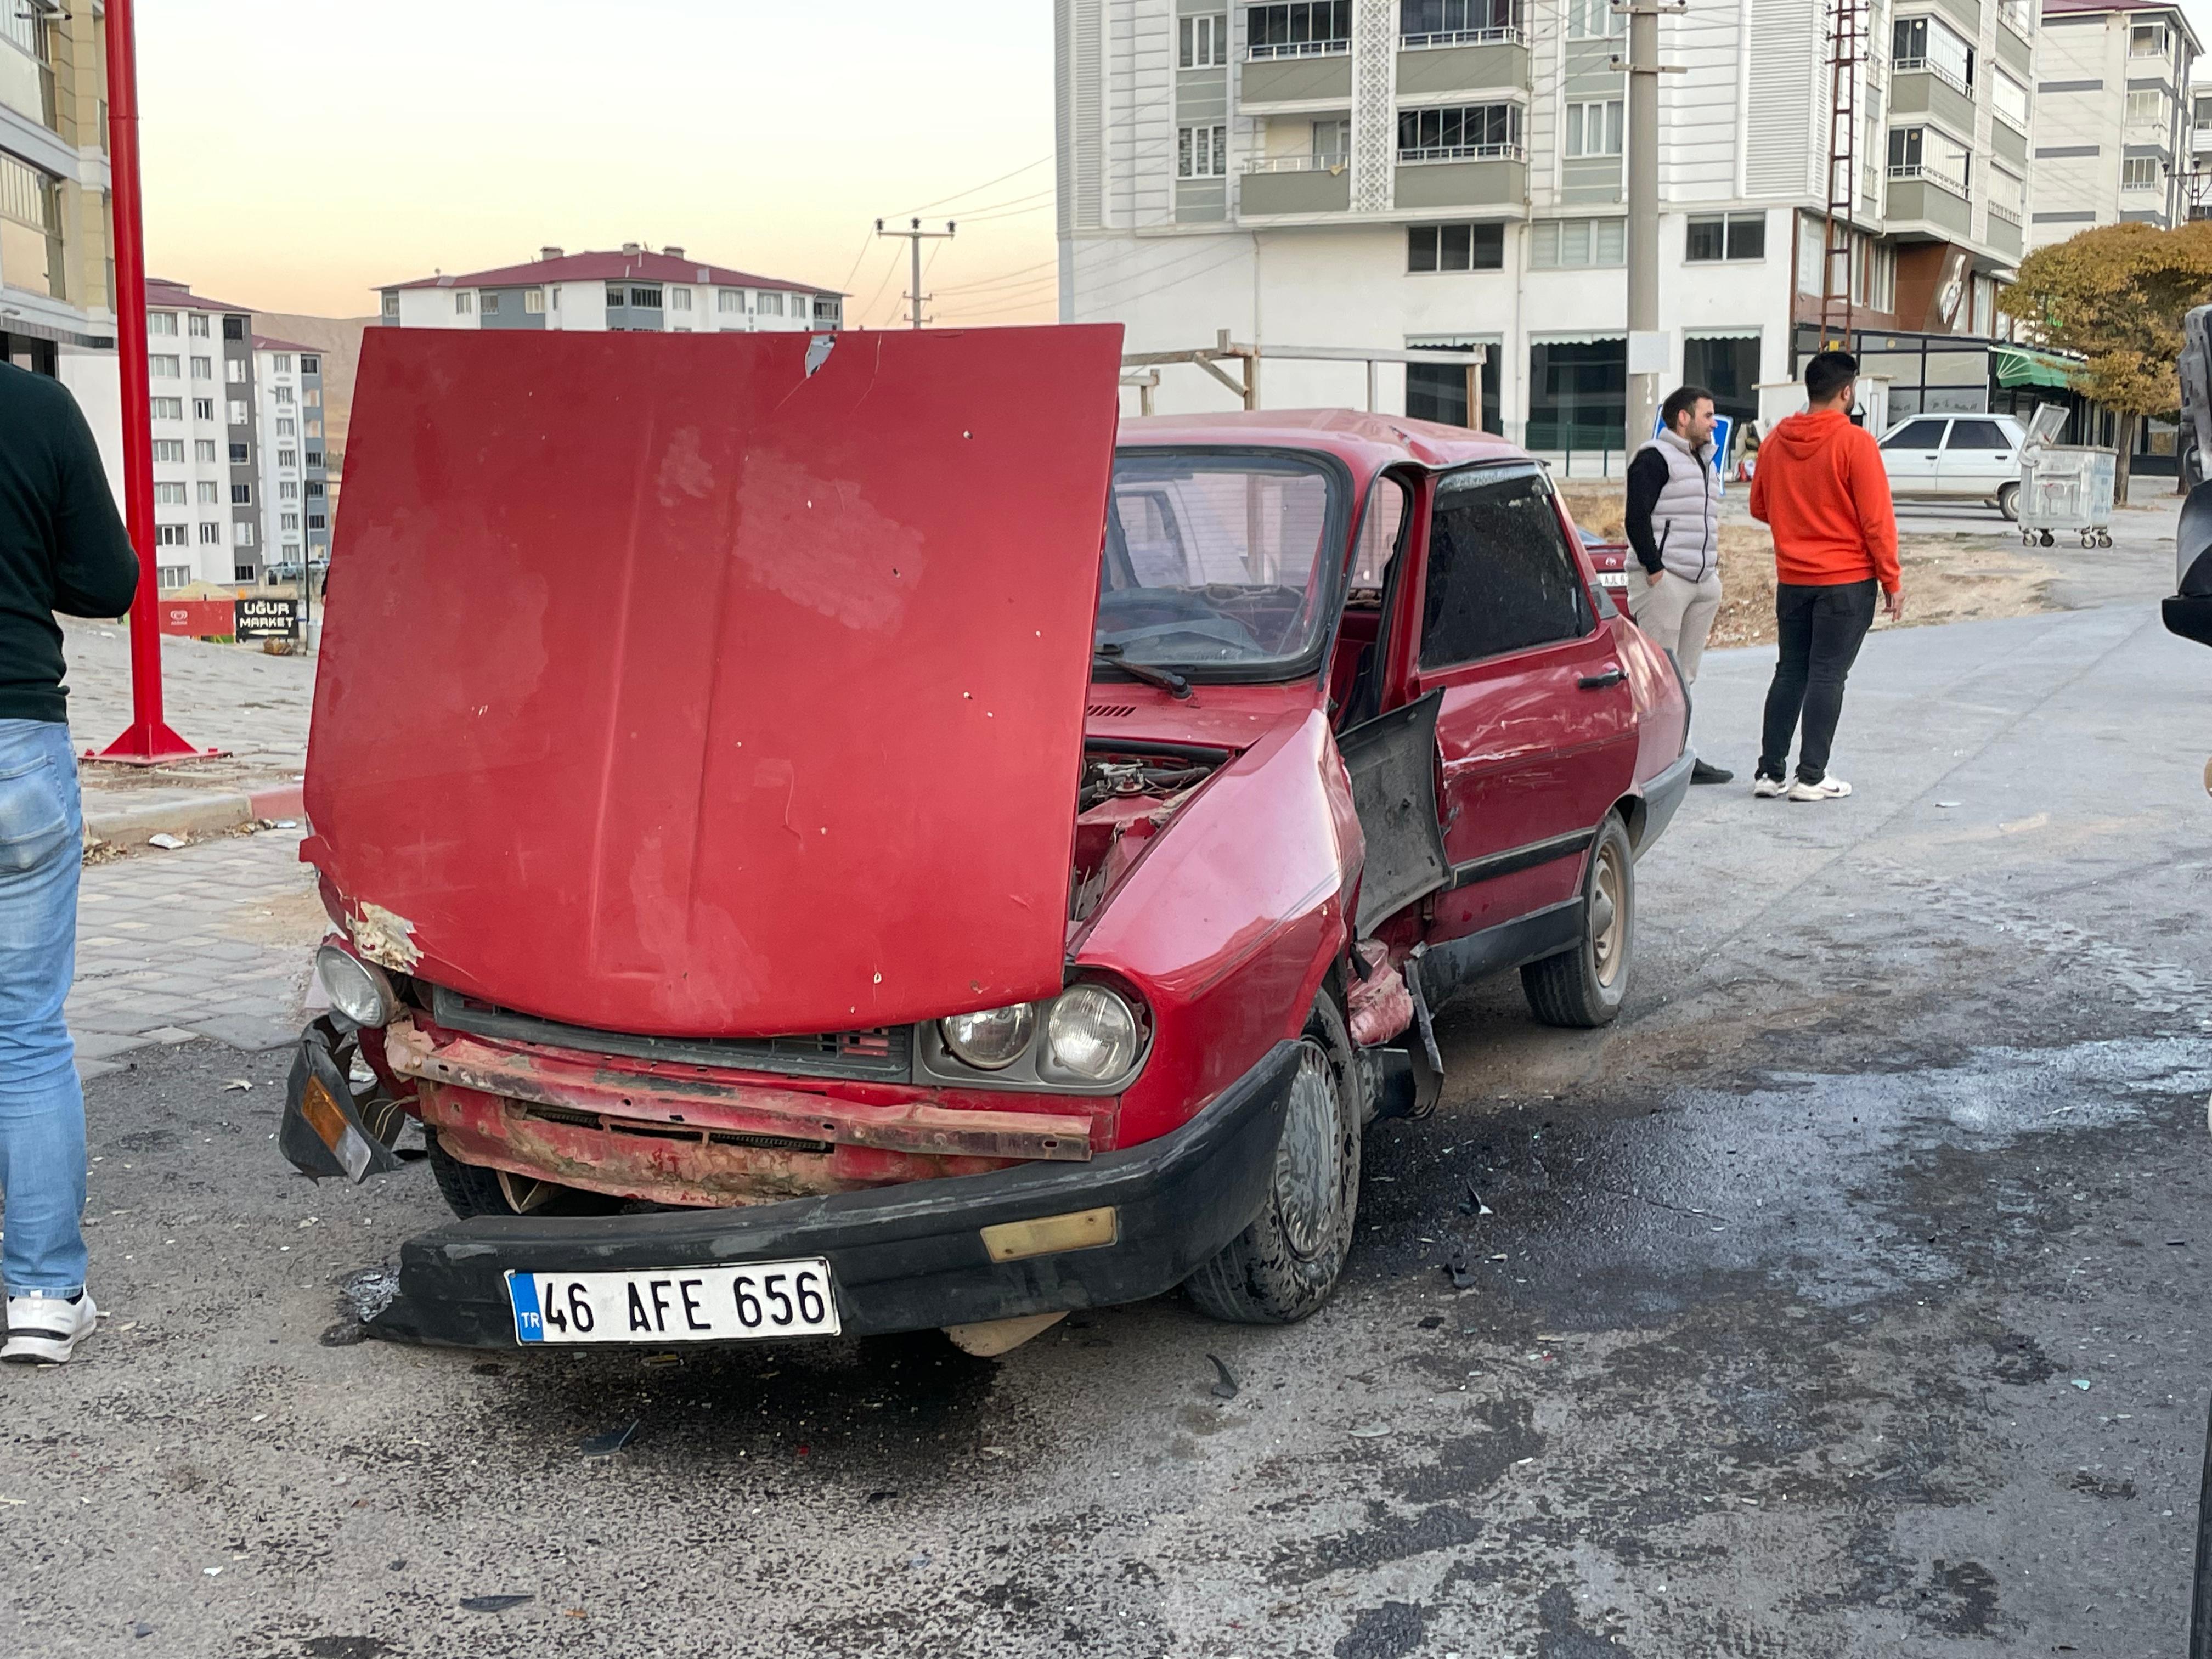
<point>1674,525</point>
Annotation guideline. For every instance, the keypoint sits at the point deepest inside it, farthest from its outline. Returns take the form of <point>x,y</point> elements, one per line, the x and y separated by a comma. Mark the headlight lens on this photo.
<point>991,1039</point>
<point>1091,1035</point>
<point>357,989</point>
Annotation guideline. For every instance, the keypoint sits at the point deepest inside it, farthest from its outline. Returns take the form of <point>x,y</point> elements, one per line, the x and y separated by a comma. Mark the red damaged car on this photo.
<point>826,835</point>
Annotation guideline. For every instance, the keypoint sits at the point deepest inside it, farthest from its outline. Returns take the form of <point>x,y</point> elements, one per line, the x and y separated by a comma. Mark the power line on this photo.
<point>973,188</point>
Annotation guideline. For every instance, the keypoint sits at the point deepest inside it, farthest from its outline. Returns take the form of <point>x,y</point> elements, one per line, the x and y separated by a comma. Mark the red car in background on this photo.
<point>824,838</point>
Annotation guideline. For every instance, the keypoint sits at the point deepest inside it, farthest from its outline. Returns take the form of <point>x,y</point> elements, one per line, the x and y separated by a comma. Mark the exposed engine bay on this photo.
<point>1126,797</point>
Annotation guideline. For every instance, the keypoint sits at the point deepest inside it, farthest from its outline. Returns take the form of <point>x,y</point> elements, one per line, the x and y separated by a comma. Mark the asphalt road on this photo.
<point>1847,1298</point>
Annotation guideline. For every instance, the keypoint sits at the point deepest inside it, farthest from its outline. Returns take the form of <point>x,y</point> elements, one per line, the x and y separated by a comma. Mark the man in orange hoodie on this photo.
<point>1822,487</point>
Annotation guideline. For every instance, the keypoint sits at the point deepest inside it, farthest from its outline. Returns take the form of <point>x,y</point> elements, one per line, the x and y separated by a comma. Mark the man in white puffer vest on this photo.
<point>1674,525</point>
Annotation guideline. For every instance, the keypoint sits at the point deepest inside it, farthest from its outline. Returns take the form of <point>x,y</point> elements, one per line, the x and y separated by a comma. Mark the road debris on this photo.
<point>493,1603</point>
<point>166,842</point>
<point>1370,1431</point>
<point>607,1445</point>
<point>237,1084</point>
<point>1225,1385</point>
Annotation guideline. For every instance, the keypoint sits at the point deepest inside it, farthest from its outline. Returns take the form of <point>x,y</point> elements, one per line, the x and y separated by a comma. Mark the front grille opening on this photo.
<point>572,1118</point>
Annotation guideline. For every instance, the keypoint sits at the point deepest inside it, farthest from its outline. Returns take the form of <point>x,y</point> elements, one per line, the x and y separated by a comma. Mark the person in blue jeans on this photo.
<point>62,547</point>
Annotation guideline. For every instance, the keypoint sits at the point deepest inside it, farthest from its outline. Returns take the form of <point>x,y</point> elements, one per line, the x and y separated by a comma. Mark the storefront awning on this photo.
<point>2018,366</point>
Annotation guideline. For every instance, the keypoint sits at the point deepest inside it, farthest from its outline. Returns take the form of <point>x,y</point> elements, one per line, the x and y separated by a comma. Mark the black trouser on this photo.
<point>1820,630</point>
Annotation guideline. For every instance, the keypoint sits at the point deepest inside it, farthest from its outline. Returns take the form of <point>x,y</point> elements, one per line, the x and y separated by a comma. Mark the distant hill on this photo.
<point>338,338</point>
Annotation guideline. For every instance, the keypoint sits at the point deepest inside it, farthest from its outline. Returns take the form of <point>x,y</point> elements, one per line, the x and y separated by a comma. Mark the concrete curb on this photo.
<point>192,814</point>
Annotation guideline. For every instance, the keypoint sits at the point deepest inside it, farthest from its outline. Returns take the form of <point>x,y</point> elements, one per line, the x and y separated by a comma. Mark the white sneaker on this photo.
<point>1828,788</point>
<point>1766,788</point>
<point>44,1330</point>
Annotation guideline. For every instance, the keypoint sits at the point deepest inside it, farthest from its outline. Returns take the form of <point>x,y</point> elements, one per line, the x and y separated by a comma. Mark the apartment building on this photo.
<point>2197,195</point>
<point>632,290</point>
<point>295,479</point>
<point>2113,116</point>
<point>56,282</point>
<point>1388,173</point>
<point>206,426</point>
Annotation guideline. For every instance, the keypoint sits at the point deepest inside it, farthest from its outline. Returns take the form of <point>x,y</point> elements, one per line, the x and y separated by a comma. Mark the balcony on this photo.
<point>1921,87</point>
<point>1462,60</point>
<point>1463,176</point>
<point>1925,195</point>
<point>2004,233</point>
<point>1295,184</point>
<point>1301,71</point>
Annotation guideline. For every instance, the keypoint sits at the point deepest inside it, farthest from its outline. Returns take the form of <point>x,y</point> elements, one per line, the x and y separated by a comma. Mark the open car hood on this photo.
<point>714,684</point>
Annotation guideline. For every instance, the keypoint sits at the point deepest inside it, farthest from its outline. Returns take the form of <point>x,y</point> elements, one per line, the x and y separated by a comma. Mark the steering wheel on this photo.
<point>1163,603</point>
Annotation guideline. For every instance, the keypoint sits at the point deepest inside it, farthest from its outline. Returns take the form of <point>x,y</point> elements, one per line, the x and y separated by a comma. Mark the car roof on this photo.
<point>1367,443</point>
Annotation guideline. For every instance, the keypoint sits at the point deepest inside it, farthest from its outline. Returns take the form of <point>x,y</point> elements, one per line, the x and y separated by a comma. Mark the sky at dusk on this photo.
<point>298,153</point>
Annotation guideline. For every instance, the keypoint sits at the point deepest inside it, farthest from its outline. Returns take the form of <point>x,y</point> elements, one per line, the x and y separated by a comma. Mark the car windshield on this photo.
<point>1218,563</point>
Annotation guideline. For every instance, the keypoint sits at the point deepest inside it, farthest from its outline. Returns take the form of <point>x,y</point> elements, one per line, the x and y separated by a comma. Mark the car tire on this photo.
<point>2009,502</point>
<point>468,1189</point>
<point>1284,1266</point>
<point>1585,987</point>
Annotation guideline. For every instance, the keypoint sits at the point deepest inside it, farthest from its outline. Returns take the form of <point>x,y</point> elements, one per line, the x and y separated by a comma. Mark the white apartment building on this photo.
<point>295,481</point>
<point>632,290</point>
<point>2113,117</point>
<point>207,494</point>
<point>1392,173</point>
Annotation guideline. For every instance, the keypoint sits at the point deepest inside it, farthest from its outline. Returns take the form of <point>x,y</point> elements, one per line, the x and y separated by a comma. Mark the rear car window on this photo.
<point>1976,434</point>
<point>1920,435</point>
<point>1501,576</point>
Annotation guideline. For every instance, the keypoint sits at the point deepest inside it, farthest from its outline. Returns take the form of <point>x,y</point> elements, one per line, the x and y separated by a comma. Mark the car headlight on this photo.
<point>1091,1036</point>
<point>991,1039</point>
<point>357,989</point>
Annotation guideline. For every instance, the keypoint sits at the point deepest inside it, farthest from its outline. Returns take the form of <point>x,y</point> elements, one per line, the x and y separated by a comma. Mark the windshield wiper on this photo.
<point>1166,678</point>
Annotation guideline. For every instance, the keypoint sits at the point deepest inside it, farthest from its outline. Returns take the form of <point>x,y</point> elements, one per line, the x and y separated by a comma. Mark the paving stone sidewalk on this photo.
<point>212,940</point>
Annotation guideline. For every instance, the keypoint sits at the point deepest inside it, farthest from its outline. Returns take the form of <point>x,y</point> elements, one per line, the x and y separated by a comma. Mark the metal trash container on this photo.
<point>2065,488</point>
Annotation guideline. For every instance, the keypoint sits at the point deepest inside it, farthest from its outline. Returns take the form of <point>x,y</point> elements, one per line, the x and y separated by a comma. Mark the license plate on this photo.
<point>675,1304</point>
<point>1613,579</point>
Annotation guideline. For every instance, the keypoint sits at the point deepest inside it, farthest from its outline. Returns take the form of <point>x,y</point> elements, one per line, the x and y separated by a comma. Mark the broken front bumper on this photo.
<point>905,1257</point>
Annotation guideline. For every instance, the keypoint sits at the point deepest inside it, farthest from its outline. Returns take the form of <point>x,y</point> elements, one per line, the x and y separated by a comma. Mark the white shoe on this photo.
<point>44,1330</point>
<point>1828,788</point>
<point>1766,788</point>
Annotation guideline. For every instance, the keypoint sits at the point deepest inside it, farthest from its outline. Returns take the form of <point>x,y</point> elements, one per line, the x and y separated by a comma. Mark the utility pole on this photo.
<point>1647,346</point>
<point>917,236</point>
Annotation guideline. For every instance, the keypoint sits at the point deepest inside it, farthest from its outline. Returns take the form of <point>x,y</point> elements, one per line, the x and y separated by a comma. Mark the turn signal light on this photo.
<point>1082,1230</point>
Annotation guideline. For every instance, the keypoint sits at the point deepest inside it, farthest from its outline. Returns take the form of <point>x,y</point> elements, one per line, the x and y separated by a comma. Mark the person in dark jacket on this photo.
<point>1674,525</point>
<point>62,547</point>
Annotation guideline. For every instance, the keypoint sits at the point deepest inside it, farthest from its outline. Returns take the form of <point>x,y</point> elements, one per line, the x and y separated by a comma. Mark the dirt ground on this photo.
<point>1946,578</point>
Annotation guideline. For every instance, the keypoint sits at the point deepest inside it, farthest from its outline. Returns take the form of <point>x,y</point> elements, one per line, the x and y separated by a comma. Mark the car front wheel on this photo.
<point>1585,985</point>
<point>1283,1267</point>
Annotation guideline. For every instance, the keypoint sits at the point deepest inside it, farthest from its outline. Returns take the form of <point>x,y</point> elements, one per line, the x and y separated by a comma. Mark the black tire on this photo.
<point>2045,538</point>
<point>1284,1266</point>
<point>468,1189</point>
<point>1584,987</point>
<point>2008,501</point>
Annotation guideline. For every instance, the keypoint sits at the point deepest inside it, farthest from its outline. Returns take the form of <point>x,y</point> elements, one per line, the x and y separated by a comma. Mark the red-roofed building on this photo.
<point>631,289</point>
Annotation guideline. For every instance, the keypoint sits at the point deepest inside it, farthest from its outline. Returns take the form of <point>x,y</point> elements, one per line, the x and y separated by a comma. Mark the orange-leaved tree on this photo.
<point>2117,296</point>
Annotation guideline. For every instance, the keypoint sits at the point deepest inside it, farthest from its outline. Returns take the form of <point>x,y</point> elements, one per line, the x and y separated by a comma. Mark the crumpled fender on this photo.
<point>329,1128</point>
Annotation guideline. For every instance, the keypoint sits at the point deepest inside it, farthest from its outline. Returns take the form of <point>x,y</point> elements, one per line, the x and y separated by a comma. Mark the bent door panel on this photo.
<point>1536,733</point>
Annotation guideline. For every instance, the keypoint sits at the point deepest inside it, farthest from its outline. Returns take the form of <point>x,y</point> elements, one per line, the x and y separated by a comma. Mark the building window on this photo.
<point>533,300</point>
<point>1203,42</point>
<point>210,535</point>
<point>240,454</point>
<point>1454,247</point>
<point>616,295</point>
<point>314,457</point>
<point>281,362</point>
<point>1463,132</point>
<point>169,450</point>
<point>233,369</point>
<point>317,521</point>
<point>312,397</point>
<point>769,305</point>
<point>1926,44</point>
<point>2008,194</point>
<point>314,489</point>
<point>165,366</point>
<point>241,413</point>
<point>288,491</point>
<point>234,328</point>
<point>203,450</point>
<point>203,409</point>
<point>283,394</point>
<point>1438,392</point>
<point>211,492</point>
<point>464,302</point>
<point>729,299</point>
<point>2139,172</point>
<point>241,573</point>
<point>168,408</point>
<point>645,299</point>
<point>1726,236</point>
<point>1595,20</point>
<point>314,429</point>
<point>680,299</point>
<point>168,495</point>
<point>241,534</point>
<point>1457,22</point>
<point>196,324</point>
<point>311,365</point>
<point>169,535</point>
<point>287,522</point>
<point>2146,108</point>
<point>391,307</point>
<point>490,305</point>
<point>2009,99</point>
<point>1594,129</point>
<point>1929,153</point>
<point>1306,28</point>
<point>1578,244</point>
<point>286,427</point>
<point>203,368</point>
<point>2148,40</point>
<point>241,494</point>
<point>287,458</point>
<point>173,576</point>
<point>1201,152</point>
<point>161,322</point>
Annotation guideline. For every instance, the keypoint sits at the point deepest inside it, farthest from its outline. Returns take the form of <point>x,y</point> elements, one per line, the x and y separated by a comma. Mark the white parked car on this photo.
<point>1973,457</point>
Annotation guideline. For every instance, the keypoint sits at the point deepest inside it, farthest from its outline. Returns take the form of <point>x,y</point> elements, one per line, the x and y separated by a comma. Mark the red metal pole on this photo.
<point>149,738</point>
